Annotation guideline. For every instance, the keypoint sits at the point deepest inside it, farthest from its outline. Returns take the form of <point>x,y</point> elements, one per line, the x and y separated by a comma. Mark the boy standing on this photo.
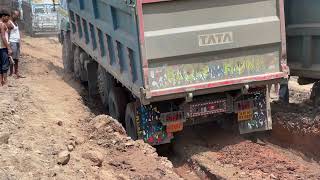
<point>5,49</point>
<point>14,41</point>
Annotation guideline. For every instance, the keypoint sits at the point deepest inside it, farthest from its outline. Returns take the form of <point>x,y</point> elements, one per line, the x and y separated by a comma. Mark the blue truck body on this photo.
<point>112,40</point>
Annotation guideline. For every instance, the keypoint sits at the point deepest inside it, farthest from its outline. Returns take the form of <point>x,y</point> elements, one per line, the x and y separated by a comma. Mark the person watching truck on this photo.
<point>5,49</point>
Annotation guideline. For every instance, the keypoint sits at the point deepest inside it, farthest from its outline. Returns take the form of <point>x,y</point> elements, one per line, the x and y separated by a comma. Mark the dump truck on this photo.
<point>40,16</point>
<point>162,65</point>
<point>302,22</point>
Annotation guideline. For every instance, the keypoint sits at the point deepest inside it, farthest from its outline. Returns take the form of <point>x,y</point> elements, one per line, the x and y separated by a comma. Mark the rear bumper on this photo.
<point>212,87</point>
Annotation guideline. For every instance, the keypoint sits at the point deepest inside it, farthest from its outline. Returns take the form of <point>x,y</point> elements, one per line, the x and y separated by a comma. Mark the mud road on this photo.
<point>50,129</point>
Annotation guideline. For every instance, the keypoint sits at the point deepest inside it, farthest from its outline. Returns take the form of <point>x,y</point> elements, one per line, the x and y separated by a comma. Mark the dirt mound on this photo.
<point>135,158</point>
<point>298,123</point>
<point>298,130</point>
<point>44,132</point>
<point>259,160</point>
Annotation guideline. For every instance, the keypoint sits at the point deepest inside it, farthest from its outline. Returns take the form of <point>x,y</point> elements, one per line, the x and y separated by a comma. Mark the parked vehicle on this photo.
<point>63,19</point>
<point>162,65</point>
<point>302,20</point>
<point>40,16</point>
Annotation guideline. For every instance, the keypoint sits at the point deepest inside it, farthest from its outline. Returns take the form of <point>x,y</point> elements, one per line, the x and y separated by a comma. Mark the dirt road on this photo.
<point>44,124</point>
<point>50,129</point>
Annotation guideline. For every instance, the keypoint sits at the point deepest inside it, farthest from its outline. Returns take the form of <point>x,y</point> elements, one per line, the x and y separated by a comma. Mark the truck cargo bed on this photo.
<point>162,49</point>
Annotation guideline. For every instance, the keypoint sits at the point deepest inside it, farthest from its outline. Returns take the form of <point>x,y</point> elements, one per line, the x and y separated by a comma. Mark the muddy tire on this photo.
<point>83,72</point>
<point>67,55</point>
<point>105,83</point>
<point>130,121</point>
<point>117,103</point>
<point>77,63</point>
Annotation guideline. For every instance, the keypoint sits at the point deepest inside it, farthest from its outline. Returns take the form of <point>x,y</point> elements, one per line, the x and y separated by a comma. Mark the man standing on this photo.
<point>5,49</point>
<point>14,41</point>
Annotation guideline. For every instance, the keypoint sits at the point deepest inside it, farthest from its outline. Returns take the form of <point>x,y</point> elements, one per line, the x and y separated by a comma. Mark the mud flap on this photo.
<point>261,113</point>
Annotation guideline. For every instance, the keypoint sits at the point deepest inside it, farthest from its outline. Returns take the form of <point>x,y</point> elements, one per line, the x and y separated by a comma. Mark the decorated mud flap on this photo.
<point>253,111</point>
<point>150,127</point>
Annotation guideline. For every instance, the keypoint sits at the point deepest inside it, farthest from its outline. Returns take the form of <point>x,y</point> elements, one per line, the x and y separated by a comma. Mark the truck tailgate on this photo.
<point>190,44</point>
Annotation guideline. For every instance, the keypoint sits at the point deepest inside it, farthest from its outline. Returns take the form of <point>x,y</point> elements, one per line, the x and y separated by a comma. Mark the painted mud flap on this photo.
<point>150,127</point>
<point>254,112</point>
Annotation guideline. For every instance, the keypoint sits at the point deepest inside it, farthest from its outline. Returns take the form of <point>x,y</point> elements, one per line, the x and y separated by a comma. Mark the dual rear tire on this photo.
<point>67,52</point>
<point>115,99</point>
<point>130,121</point>
<point>113,96</point>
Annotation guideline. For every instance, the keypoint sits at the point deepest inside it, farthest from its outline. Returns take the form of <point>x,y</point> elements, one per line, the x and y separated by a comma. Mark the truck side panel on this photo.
<point>303,34</point>
<point>107,31</point>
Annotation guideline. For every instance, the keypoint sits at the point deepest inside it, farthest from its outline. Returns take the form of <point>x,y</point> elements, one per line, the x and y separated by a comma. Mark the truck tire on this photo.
<point>105,83</point>
<point>130,120</point>
<point>83,72</point>
<point>77,63</point>
<point>67,55</point>
<point>117,103</point>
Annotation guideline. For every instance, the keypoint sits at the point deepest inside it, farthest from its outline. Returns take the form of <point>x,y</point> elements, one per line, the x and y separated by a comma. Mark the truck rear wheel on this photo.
<point>77,63</point>
<point>67,56</point>
<point>117,103</point>
<point>105,82</point>
<point>83,72</point>
<point>130,120</point>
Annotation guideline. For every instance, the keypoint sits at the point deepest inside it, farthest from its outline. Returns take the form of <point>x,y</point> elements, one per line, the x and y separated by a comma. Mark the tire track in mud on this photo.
<point>213,153</point>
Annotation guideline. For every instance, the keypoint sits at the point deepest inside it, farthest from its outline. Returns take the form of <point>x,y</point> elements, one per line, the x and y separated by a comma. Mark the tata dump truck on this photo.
<point>40,16</point>
<point>303,39</point>
<point>162,65</point>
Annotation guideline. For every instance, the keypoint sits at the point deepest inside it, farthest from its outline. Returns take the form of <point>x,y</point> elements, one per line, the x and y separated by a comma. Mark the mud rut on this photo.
<point>209,152</point>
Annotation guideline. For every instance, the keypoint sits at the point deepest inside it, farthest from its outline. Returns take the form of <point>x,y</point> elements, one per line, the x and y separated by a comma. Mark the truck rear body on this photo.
<point>205,57</point>
<point>192,45</point>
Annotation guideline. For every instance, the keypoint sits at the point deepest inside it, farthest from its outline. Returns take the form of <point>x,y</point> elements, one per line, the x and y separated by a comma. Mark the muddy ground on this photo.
<point>51,129</point>
<point>47,130</point>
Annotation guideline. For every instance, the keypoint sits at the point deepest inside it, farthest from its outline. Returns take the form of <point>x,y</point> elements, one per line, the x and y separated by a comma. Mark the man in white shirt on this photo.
<point>5,50</point>
<point>14,41</point>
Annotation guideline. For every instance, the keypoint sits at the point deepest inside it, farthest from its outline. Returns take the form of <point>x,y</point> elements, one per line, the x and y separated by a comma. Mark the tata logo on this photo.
<point>215,39</point>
